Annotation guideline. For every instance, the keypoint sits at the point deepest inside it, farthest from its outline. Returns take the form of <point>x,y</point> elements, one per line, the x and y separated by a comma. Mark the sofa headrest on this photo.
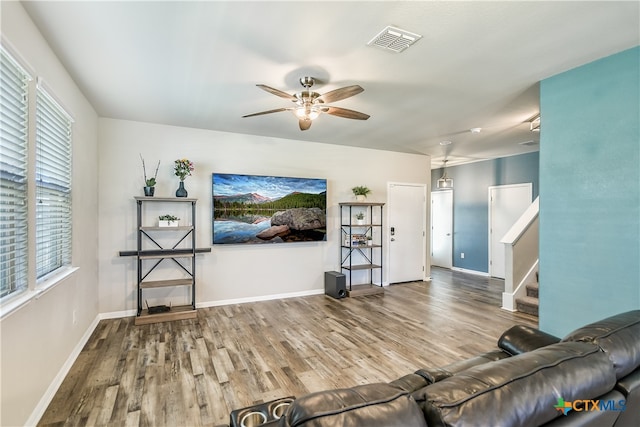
<point>520,339</point>
<point>371,405</point>
<point>519,390</point>
<point>618,336</point>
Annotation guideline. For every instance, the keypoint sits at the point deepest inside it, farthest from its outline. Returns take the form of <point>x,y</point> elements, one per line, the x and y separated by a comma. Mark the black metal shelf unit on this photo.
<point>361,239</point>
<point>155,256</point>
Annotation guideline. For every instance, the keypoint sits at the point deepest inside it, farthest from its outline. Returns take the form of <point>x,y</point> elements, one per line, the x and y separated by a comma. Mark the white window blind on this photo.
<point>53,185</point>
<point>13,175</point>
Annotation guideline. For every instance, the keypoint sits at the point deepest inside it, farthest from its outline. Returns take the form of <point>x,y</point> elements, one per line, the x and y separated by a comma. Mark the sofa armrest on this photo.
<point>371,405</point>
<point>521,339</point>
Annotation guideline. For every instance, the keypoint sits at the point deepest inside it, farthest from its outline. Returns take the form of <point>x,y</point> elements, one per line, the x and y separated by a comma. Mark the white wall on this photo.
<point>39,339</point>
<point>230,273</point>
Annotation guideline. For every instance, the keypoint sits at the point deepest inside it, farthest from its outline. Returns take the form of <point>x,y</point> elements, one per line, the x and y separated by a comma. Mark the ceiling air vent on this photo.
<point>394,39</point>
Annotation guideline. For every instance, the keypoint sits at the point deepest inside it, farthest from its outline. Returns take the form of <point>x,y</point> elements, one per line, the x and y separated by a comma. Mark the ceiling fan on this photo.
<point>309,105</point>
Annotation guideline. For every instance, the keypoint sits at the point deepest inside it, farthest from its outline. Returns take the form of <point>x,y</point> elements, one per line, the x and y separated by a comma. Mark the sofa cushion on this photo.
<point>410,382</point>
<point>520,390</point>
<point>618,336</point>
<point>433,375</point>
<point>371,405</point>
<point>520,339</point>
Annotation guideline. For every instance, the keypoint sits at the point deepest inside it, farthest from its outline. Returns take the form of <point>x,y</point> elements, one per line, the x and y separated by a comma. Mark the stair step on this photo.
<point>527,305</point>
<point>532,290</point>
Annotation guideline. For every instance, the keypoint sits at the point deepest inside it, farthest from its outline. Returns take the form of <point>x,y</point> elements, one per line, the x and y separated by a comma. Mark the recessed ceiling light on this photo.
<point>475,130</point>
<point>445,142</point>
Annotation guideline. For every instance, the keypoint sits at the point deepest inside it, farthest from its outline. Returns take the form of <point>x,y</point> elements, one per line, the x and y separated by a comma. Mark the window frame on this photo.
<point>36,287</point>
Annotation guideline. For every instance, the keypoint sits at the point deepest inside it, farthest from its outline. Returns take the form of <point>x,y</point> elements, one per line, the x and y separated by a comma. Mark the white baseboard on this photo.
<point>259,298</point>
<point>477,273</point>
<point>204,304</point>
<point>117,314</point>
<point>47,397</point>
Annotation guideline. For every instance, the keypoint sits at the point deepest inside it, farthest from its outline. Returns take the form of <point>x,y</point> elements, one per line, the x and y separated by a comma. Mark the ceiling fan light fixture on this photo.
<point>306,112</point>
<point>444,182</point>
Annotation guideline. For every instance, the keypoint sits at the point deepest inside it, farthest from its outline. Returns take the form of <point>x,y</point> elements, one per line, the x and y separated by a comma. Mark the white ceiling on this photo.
<point>196,64</point>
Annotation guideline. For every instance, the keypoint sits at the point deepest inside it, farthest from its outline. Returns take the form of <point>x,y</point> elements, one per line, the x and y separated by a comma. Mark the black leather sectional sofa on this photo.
<point>591,377</point>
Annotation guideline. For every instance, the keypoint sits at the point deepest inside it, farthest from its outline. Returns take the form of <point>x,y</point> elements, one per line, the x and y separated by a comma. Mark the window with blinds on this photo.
<point>13,175</point>
<point>53,185</point>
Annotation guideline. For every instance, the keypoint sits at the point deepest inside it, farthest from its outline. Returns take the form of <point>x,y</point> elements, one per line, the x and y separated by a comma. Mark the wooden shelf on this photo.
<point>181,312</point>
<point>178,228</point>
<point>361,290</point>
<point>165,254</point>
<point>157,252</point>
<point>361,267</point>
<point>165,199</point>
<point>165,283</point>
<point>357,203</point>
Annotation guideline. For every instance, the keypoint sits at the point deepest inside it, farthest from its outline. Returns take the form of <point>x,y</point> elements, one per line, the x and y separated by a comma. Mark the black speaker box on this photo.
<point>335,284</point>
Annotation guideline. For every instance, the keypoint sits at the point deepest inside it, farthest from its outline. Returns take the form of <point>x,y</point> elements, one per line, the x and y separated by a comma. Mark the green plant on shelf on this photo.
<point>360,190</point>
<point>360,216</point>
<point>168,218</point>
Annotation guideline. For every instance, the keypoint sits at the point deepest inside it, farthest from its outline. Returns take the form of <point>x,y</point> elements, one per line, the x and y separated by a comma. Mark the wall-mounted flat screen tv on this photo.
<point>255,209</point>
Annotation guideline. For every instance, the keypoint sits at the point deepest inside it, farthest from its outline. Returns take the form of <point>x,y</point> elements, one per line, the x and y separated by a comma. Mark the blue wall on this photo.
<point>590,193</point>
<point>471,184</point>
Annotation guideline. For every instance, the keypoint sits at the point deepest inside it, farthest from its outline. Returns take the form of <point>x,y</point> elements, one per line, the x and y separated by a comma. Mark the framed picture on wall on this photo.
<point>256,209</point>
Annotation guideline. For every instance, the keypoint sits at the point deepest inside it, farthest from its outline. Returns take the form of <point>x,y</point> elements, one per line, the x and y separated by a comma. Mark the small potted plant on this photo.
<point>360,218</point>
<point>360,192</point>
<point>369,240</point>
<point>149,183</point>
<point>168,221</point>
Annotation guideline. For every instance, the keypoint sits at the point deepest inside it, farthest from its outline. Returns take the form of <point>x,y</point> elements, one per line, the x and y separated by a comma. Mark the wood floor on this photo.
<point>194,372</point>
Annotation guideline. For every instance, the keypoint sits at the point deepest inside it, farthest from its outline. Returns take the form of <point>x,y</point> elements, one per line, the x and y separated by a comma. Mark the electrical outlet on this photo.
<point>461,254</point>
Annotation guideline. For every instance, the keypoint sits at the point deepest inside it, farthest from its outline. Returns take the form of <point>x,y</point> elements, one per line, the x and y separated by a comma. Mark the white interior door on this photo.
<point>442,228</point>
<point>407,231</point>
<point>506,204</point>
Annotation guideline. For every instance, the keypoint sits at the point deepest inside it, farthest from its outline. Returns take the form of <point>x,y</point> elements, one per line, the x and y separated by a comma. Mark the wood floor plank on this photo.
<point>194,372</point>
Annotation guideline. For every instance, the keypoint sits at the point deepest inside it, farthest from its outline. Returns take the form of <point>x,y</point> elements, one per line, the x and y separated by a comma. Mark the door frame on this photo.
<point>426,235</point>
<point>528,185</point>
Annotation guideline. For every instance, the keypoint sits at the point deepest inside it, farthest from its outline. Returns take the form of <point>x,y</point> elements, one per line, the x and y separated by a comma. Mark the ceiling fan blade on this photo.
<point>347,114</point>
<point>304,124</point>
<point>342,93</point>
<point>277,92</point>
<point>277,110</point>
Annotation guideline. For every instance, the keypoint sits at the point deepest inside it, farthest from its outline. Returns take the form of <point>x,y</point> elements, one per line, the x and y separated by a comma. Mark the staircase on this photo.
<point>529,304</point>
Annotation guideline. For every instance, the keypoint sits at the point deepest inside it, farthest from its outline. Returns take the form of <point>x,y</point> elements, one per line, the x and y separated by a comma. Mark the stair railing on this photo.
<point>521,255</point>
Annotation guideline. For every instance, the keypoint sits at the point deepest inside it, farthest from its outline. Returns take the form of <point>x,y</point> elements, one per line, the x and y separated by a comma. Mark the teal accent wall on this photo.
<point>471,184</point>
<point>590,193</point>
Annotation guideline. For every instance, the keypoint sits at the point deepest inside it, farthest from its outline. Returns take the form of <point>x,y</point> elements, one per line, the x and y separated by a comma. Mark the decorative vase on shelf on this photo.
<point>360,198</point>
<point>181,191</point>
<point>148,191</point>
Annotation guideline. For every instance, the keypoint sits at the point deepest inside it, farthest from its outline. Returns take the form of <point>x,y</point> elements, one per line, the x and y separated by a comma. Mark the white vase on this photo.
<point>360,198</point>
